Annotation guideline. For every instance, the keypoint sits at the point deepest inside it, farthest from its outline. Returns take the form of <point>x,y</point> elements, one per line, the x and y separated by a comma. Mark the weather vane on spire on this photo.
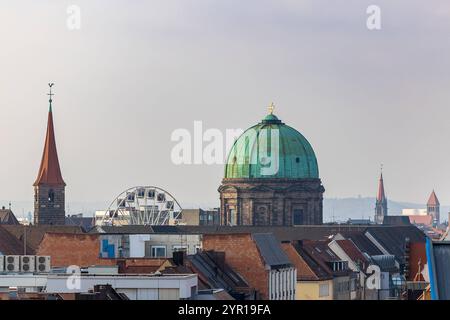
<point>50,94</point>
<point>271,108</point>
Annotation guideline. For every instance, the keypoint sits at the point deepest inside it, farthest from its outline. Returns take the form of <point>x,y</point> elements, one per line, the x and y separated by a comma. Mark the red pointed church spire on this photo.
<point>433,200</point>
<point>49,171</point>
<point>381,196</point>
<point>381,209</point>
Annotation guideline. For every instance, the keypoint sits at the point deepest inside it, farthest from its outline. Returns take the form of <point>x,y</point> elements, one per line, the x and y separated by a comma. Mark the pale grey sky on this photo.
<point>137,70</point>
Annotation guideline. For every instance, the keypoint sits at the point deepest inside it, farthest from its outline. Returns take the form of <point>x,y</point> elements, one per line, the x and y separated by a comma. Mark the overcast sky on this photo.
<point>138,70</point>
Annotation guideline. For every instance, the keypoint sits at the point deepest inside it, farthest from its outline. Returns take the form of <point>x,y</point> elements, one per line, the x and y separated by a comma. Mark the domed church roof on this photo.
<point>271,149</point>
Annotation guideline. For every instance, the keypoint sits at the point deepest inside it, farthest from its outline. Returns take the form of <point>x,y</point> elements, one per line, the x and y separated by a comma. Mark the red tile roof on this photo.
<point>322,256</point>
<point>352,251</point>
<point>35,234</point>
<point>305,272</point>
<point>8,217</point>
<point>381,196</point>
<point>425,220</point>
<point>10,245</point>
<point>49,171</point>
<point>433,200</point>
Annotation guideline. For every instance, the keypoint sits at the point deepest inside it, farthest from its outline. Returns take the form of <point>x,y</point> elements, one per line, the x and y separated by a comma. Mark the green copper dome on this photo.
<point>254,153</point>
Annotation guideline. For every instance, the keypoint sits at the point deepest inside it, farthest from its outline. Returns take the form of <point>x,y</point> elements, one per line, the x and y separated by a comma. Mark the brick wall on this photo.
<point>417,253</point>
<point>72,249</point>
<point>243,256</point>
<point>84,250</point>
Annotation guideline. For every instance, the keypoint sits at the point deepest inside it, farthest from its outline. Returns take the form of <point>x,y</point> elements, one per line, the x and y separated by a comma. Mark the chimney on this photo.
<point>122,266</point>
<point>178,257</point>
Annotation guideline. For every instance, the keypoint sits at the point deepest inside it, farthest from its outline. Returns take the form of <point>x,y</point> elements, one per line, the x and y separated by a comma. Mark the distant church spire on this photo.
<point>381,201</point>
<point>49,186</point>
<point>433,208</point>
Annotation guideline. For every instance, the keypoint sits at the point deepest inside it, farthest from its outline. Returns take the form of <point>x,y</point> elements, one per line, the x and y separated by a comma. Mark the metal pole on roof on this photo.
<point>24,239</point>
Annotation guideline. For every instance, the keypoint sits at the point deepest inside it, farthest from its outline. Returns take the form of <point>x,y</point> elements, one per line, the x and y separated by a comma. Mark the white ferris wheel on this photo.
<point>144,205</point>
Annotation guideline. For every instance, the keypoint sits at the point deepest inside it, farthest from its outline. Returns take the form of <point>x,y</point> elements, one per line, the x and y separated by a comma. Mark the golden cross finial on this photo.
<point>271,108</point>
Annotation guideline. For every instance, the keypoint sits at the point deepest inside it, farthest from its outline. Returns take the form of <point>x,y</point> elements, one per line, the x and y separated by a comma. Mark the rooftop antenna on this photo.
<point>361,207</point>
<point>24,239</point>
<point>332,214</point>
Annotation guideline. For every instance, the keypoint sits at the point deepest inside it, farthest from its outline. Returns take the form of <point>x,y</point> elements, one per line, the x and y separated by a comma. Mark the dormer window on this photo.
<point>339,265</point>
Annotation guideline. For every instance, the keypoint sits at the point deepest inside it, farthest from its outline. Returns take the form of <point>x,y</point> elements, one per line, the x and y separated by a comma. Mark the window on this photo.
<point>51,195</point>
<point>170,205</point>
<point>324,290</point>
<point>141,193</point>
<point>232,217</point>
<point>298,217</point>
<point>158,251</point>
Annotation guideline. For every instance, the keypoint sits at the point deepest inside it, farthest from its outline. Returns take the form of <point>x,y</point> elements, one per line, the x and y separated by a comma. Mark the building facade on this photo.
<point>271,178</point>
<point>260,260</point>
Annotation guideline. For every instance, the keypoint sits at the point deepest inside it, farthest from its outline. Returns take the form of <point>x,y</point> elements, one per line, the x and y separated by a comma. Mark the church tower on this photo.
<point>49,187</point>
<point>433,208</point>
<point>381,209</point>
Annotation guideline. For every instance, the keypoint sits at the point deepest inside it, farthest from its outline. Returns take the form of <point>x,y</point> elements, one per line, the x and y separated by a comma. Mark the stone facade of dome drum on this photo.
<point>271,178</point>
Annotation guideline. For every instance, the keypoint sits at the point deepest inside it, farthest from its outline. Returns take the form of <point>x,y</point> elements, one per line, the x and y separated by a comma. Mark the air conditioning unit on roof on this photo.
<point>12,263</point>
<point>43,264</point>
<point>27,263</point>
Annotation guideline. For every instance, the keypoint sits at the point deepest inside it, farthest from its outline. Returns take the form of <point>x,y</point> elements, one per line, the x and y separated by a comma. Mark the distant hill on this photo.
<point>333,209</point>
<point>363,208</point>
